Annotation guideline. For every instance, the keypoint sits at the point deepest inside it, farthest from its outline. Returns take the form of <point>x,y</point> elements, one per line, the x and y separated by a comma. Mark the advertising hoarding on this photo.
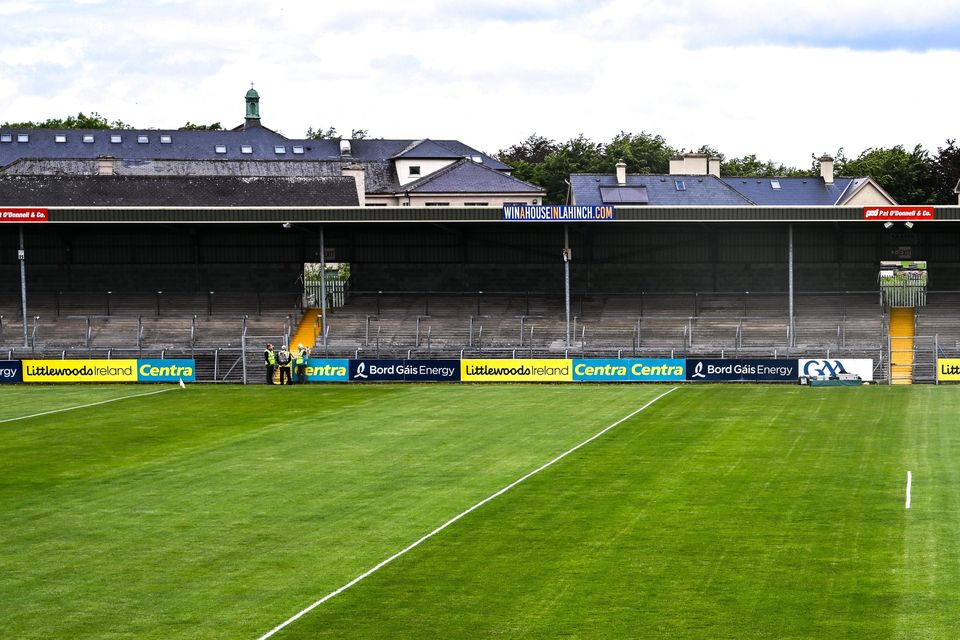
<point>11,372</point>
<point>833,367</point>
<point>742,370</point>
<point>80,371</point>
<point>404,370</point>
<point>628,370</point>
<point>520,370</point>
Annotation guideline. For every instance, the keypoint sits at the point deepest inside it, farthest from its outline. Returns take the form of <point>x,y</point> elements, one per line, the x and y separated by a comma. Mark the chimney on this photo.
<point>713,166</point>
<point>104,165</point>
<point>345,148</point>
<point>358,173</point>
<point>690,164</point>
<point>621,172</point>
<point>676,166</point>
<point>826,169</point>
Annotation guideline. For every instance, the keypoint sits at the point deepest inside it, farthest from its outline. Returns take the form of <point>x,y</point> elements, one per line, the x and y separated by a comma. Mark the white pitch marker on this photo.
<point>909,485</point>
<point>84,406</point>
<point>449,522</point>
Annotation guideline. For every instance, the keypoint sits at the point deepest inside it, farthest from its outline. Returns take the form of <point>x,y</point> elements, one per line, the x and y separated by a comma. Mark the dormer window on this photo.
<point>88,138</point>
<point>143,139</point>
<point>166,140</point>
<point>774,184</point>
<point>297,149</point>
<point>415,170</point>
<point>279,149</point>
<point>6,137</point>
<point>60,138</point>
<point>115,138</point>
<point>23,137</point>
<point>246,148</point>
<point>220,148</point>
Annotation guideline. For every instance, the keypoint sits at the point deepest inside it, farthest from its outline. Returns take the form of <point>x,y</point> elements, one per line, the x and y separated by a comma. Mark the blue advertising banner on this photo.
<point>628,370</point>
<point>558,213</point>
<point>783,370</point>
<point>166,370</point>
<point>327,370</point>
<point>406,370</point>
<point>11,372</point>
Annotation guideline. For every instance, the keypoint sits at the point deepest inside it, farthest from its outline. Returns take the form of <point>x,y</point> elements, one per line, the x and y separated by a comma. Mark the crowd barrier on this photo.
<point>473,370</point>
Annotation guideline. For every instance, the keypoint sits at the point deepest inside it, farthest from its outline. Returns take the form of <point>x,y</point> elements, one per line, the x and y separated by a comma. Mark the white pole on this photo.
<point>566,277</point>
<point>323,289</point>
<point>22,256</point>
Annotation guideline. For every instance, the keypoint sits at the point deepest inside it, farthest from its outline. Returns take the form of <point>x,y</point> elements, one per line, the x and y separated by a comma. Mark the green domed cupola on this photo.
<point>253,104</point>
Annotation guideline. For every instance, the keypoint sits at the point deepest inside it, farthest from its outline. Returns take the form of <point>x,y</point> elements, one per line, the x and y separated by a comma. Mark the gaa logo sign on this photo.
<point>829,368</point>
<point>833,367</point>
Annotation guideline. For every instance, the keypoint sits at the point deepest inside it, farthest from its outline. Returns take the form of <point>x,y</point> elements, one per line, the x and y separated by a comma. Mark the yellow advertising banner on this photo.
<point>948,369</point>
<point>530,370</point>
<point>79,370</point>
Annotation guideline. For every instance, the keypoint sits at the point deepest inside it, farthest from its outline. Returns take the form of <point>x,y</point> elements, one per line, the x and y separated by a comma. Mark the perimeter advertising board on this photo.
<point>80,371</point>
<point>628,370</point>
<point>558,213</point>
<point>327,370</point>
<point>832,368</point>
<point>519,370</point>
<point>404,370</point>
<point>782,370</point>
<point>948,369</point>
<point>166,370</point>
<point>11,372</point>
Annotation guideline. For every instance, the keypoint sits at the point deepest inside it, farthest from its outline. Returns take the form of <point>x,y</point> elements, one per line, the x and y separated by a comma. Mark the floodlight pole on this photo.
<point>323,289</point>
<point>21,255</point>
<point>793,339</point>
<point>566,277</point>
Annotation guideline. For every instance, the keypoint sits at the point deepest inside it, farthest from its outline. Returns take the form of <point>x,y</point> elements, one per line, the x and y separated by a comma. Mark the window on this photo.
<point>6,137</point>
<point>437,204</point>
<point>220,148</point>
<point>246,148</point>
<point>681,185</point>
<point>166,140</point>
<point>60,138</point>
<point>279,149</point>
<point>143,139</point>
<point>376,204</point>
<point>87,138</point>
<point>775,184</point>
<point>476,204</point>
<point>115,138</point>
<point>23,137</point>
<point>414,170</point>
<point>297,149</point>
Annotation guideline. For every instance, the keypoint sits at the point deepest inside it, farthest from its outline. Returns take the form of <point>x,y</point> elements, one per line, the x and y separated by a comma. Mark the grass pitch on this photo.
<point>719,512</point>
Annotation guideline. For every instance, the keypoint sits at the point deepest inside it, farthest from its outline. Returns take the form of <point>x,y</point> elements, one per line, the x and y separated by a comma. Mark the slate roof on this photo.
<point>427,149</point>
<point>176,191</point>
<point>380,177</point>
<point>661,189</point>
<point>795,191</point>
<point>467,176</point>
<point>202,145</point>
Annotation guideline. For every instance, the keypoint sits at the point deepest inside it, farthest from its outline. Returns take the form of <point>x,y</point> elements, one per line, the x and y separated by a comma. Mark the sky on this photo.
<point>783,80</point>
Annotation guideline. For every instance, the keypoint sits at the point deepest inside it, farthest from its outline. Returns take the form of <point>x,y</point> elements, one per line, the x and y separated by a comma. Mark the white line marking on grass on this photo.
<point>84,406</point>
<point>449,522</point>
<point>909,484</point>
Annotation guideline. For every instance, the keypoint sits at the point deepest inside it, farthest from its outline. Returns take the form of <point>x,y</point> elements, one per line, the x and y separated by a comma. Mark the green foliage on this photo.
<point>79,121</point>
<point>322,134</point>
<point>750,166</point>
<point>946,173</point>
<point>905,175</point>
<point>189,126</point>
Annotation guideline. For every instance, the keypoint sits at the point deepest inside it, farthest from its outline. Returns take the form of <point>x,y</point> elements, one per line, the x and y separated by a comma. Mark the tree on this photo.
<point>642,152</point>
<point>533,150</point>
<point>908,176</point>
<point>201,127</point>
<point>79,121</point>
<point>749,166</point>
<point>322,134</point>
<point>946,173</point>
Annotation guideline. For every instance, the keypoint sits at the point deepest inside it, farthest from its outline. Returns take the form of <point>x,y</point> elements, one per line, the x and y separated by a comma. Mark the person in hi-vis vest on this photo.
<point>285,363</point>
<point>303,354</point>
<point>270,362</point>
